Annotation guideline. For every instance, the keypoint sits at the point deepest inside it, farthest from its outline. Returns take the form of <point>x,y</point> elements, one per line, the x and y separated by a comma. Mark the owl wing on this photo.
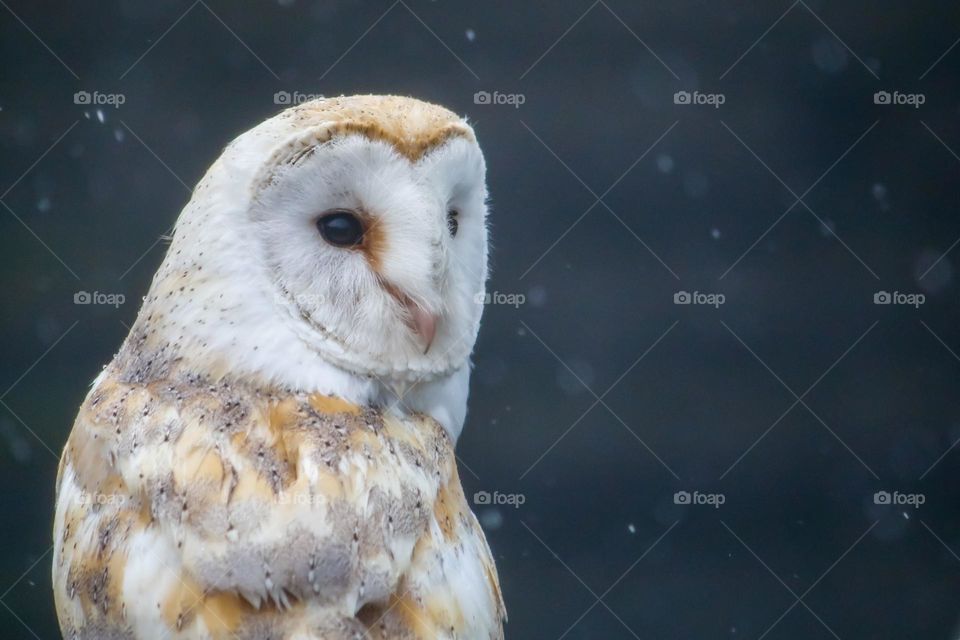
<point>190,510</point>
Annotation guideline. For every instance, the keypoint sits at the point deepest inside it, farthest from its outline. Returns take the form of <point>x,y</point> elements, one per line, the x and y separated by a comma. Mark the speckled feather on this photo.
<point>192,509</point>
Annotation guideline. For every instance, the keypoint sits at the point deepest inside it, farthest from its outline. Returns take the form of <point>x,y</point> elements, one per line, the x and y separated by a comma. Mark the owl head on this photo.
<point>348,232</point>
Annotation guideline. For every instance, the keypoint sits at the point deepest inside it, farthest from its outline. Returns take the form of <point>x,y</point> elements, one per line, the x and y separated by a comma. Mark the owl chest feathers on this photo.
<point>197,509</point>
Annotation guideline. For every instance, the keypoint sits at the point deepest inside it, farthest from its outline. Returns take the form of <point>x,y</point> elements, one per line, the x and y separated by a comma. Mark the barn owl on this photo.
<point>270,454</point>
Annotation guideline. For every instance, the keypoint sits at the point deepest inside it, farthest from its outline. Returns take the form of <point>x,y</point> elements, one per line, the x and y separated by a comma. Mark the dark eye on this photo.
<point>452,223</point>
<point>341,228</point>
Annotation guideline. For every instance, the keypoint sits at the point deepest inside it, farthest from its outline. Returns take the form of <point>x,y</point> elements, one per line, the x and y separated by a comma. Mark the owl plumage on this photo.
<point>271,452</point>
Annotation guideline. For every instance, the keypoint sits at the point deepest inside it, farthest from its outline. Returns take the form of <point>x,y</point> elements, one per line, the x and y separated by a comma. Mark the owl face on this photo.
<point>379,256</point>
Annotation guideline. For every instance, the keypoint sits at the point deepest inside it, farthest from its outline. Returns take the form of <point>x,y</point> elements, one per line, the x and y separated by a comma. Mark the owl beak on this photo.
<point>423,323</point>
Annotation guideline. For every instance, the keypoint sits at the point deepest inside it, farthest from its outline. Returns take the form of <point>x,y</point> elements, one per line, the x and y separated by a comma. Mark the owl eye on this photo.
<point>452,223</point>
<point>341,228</point>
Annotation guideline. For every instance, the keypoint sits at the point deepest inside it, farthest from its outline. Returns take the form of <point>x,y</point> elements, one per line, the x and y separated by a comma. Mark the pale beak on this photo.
<point>422,322</point>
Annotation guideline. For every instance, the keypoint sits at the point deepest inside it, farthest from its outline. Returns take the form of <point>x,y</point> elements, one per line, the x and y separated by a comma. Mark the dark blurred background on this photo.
<point>598,399</point>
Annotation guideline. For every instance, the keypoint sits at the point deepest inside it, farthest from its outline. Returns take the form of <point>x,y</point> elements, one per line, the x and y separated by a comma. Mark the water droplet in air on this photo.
<point>695,184</point>
<point>537,296</point>
<point>664,163</point>
<point>933,271</point>
<point>827,227</point>
<point>829,55</point>
<point>575,382</point>
<point>19,446</point>
<point>879,193</point>
<point>491,519</point>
